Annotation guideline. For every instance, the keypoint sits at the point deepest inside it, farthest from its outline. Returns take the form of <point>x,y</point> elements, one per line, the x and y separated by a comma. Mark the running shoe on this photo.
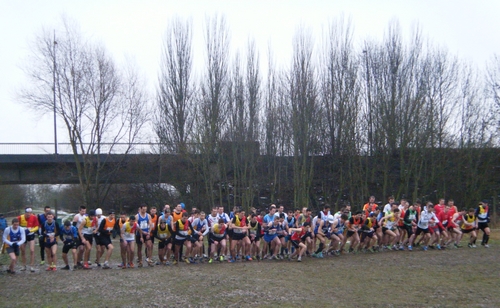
<point>86,266</point>
<point>230,260</point>
<point>469,245</point>
<point>23,268</point>
<point>175,262</point>
<point>210,261</point>
<point>65,268</point>
<point>320,255</point>
<point>10,272</point>
<point>42,262</point>
<point>425,248</point>
<point>131,265</point>
<point>314,255</point>
<point>106,266</point>
<point>486,246</point>
<point>54,268</point>
<point>401,247</point>
<point>191,260</point>
<point>221,258</point>
<point>248,258</point>
<point>438,247</point>
<point>474,246</point>
<point>32,269</point>
<point>299,259</point>
<point>167,263</point>
<point>410,248</point>
<point>140,264</point>
<point>187,260</point>
<point>49,269</point>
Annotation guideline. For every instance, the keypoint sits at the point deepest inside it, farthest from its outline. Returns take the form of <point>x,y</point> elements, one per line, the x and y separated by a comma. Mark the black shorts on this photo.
<point>409,230</point>
<point>179,242</point>
<point>97,240</point>
<point>104,240</point>
<point>163,244</point>
<point>350,233</point>
<point>254,239</point>
<point>384,229</point>
<point>238,236</point>
<point>212,238</point>
<point>138,238</point>
<point>30,237</point>
<point>295,244</point>
<point>67,247</point>
<point>482,225</point>
<point>89,238</point>
<point>14,250</point>
<point>78,242</point>
<point>465,231</point>
<point>420,230</point>
<point>49,244</point>
<point>367,234</point>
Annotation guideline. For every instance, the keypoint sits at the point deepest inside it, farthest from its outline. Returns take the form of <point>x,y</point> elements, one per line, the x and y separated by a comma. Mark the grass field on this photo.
<point>451,278</point>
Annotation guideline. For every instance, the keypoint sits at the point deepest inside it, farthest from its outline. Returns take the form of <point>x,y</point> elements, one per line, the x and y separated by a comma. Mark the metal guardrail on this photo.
<point>65,148</point>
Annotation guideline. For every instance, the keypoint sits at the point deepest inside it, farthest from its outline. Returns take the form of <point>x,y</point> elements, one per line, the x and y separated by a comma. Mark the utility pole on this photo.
<point>54,91</point>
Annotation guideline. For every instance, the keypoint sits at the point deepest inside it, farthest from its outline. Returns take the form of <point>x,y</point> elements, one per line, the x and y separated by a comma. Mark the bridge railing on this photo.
<point>65,148</point>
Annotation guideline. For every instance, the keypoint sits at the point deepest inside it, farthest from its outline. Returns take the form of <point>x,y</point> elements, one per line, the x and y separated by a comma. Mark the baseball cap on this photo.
<point>98,211</point>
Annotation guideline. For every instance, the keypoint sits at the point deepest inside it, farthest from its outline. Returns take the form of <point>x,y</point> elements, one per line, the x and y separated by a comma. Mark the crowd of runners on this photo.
<point>273,234</point>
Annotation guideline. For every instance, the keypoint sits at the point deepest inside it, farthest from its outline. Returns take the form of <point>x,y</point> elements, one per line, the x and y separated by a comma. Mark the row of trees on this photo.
<point>337,124</point>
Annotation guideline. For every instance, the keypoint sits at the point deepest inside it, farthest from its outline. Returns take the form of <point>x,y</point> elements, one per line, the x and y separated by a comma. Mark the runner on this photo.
<point>370,206</point>
<point>239,235</point>
<point>337,233</point>
<point>483,218</point>
<point>410,221</point>
<point>106,228</point>
<point>50,231</point>
<point>29,222</point>
<point>14,237</point>
<point>164,235</point>
<point>271,238</point>
<point>41,220</point>
<point>182,230</point>
<point>299,238</point>
<point>99,251</point>
<point>353,226</point>
<point>78,219</point>
<point>143,235</point>
<point>217,240</point>
<point>69,237</point>
<point>469,225</point>
<point>426,218</point>
<point>200,225</point>
<point>123,244</point>
<point>128,234</point>
<point>254,231</point>
<point>86,234</point>
<point>389,228</point>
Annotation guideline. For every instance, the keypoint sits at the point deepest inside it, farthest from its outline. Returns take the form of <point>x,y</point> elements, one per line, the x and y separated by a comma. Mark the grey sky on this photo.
<point>468,29</point>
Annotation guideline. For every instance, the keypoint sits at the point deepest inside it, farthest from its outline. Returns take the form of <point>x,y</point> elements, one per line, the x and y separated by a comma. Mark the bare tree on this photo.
<point>99,106</point>
<point>212,106</point>
<point>175,94</point>
<point>305,115</point>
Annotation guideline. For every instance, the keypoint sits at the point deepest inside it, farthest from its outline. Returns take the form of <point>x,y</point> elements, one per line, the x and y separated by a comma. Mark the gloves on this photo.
<point>14,245</point>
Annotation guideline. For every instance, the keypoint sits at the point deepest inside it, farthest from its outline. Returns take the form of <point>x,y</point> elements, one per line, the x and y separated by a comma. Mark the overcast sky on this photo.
<point>468,29</point>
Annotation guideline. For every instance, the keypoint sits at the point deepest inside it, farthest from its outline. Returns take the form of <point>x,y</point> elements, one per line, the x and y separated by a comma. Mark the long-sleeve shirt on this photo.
<point>11,236</point>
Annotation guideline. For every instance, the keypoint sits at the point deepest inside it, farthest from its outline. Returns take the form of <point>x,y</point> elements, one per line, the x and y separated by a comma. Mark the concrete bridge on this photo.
<point>42,168</point>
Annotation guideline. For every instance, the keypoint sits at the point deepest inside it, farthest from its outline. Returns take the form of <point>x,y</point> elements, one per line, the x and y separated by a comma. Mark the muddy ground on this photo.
<point>461,277</point>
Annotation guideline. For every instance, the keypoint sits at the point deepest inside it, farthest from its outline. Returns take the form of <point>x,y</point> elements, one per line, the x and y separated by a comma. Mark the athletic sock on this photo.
<point>486,237</point>
<point>320,249</point>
